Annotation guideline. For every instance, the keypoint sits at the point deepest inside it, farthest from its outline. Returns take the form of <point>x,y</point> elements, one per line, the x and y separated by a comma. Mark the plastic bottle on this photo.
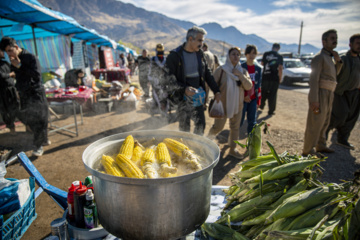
<point>79,203</point>
<point>90,211</point>
<point>70,201</point>
<point>101,77</point>
<point>88,181</point>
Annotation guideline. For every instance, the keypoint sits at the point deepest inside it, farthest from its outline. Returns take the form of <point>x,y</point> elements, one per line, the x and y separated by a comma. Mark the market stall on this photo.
<point>115,74</point>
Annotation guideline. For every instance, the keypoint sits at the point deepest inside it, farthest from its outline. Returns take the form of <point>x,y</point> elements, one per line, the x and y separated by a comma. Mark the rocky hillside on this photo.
<point>145,29</point>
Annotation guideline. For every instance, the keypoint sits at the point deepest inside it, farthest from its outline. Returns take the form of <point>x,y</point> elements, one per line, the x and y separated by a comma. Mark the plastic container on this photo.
<point>79,203</point>
<point>90,211</point>
<point>16,225</point>
<point>70,201</point>
<point>59,229</point>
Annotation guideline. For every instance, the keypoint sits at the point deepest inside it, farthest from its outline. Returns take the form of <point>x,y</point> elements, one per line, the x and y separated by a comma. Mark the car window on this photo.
<point>294,64</point>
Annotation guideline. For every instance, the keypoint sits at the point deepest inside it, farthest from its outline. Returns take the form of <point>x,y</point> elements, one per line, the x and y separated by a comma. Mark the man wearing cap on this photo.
<point>324,68</point>
<point>189,72</point>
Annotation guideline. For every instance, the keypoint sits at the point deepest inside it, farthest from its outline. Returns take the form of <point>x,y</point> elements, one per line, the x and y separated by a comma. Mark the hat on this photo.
<point>159,47</point>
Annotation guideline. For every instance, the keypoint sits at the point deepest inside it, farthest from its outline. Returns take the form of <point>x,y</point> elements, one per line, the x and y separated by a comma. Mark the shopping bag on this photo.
<point>216,109</point>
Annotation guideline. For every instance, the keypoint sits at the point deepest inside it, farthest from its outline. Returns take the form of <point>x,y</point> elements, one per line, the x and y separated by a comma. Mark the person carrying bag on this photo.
<point>232,81</point>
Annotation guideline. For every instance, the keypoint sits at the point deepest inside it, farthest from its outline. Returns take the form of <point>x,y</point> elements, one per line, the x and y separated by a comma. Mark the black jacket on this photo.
<point>28,76</point>
<point>175,67</point>
<point>5,79</point>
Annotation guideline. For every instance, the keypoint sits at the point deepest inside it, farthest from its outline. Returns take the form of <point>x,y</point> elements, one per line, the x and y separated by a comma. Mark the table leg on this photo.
<point>75,120</point>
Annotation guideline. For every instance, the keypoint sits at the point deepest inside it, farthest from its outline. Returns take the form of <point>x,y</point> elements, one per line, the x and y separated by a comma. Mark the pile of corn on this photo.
<point>280,197</point>
<point>136,161</point>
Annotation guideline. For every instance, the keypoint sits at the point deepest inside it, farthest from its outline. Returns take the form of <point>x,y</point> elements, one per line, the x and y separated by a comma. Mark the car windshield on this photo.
<point>294,64</point>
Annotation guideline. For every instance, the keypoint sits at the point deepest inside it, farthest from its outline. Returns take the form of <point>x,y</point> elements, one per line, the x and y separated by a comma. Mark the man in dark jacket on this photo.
<point>34,106</point>
<point>346,104</point>
<point>271,77</point>
<point>9,104</point>
<point>187,66</point>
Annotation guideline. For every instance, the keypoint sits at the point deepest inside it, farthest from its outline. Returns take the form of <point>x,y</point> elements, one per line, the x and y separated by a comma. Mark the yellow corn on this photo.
<point>164,159</point>
<point>183,151</point>
<point>147,161</point>
<point>149,156</point>
<point>128,167</point>
<point>175,146</point>
<point>137,154</point>
<point>162,154</point>
<point>111,167</point>
<point>127,147</point>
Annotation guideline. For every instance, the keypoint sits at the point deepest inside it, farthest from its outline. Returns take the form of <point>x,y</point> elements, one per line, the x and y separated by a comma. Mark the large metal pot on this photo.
<point>164,208</point>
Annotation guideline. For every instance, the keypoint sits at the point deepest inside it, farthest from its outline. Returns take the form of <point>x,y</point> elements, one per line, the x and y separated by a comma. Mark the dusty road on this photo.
<point>62,161</point>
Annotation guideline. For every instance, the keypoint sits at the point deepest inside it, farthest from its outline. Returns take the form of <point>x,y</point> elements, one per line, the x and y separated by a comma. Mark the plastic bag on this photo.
<point>131,97</point>
<point>13,193</point>
<point>216,109</point>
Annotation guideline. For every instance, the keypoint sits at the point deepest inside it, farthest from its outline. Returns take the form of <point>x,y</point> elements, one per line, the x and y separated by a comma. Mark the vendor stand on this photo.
<point>115,74</point>
<point>77,98</point>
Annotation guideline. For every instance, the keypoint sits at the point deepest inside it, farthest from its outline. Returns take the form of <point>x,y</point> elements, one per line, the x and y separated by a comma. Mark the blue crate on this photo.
<point>15,226</point>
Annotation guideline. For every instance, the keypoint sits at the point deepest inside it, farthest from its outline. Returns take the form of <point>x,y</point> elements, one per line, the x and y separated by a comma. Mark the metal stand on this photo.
<point>65,128</point>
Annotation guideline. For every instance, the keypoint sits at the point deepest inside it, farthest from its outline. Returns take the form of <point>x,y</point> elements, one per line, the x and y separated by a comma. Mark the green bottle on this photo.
<point>90,211</point>
<point>88,181</point>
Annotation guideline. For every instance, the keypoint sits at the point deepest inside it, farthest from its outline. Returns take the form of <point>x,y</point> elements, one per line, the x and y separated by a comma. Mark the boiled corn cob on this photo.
<point>137,154</point>
<point>128,167</point>
<point>127,147</point>
<point>147,161</point>
<point>164,159</point>
<point>183,151</point>
<point>110,166</point>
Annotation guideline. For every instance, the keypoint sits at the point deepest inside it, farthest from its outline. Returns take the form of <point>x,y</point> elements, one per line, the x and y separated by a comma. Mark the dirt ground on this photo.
<point>62,161</point>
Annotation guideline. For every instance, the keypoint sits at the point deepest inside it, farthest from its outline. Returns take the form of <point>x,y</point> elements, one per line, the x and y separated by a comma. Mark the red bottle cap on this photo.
<point>81,189</point>
<point>72,188</point>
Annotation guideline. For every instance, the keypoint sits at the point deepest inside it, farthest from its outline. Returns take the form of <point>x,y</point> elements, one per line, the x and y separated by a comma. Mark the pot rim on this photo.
<point>157,181</point>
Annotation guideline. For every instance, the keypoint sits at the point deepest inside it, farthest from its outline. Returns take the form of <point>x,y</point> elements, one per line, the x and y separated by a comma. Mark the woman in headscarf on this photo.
<point>232,80</point>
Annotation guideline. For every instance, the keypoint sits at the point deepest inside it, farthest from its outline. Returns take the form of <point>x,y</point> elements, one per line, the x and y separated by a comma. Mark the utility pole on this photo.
<point>301,27</point>
<point>223,54</point>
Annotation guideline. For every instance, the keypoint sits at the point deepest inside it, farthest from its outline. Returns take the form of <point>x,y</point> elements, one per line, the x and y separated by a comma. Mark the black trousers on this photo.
<point>9,106</point>
<point>186,112</point>
<point>345,113</point>
<point>269,92</point>
<point>34,113</point>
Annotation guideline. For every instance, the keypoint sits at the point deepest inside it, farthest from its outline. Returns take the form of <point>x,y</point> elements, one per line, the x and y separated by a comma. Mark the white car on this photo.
<point>294,71</point>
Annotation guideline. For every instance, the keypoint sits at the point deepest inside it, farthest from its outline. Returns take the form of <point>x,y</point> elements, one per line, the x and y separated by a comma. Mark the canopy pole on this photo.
<point>33,32</point>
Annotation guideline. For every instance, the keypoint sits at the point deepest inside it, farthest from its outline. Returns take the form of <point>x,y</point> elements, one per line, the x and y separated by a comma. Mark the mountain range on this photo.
<point>144,29</point>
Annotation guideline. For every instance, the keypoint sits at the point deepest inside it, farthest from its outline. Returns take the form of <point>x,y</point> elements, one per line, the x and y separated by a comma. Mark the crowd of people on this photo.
<point>184,78</point>
<point>190,71</point>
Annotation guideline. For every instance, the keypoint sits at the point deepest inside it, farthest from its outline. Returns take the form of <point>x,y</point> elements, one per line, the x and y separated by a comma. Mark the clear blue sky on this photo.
<point>276,20</point>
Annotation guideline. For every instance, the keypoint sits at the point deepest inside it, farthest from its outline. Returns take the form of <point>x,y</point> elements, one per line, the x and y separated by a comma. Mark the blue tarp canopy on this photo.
<point>18,18</point>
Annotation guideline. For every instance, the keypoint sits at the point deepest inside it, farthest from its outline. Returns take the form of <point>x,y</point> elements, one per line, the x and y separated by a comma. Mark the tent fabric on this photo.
<point>53,53</point>
<point>31,12</point>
